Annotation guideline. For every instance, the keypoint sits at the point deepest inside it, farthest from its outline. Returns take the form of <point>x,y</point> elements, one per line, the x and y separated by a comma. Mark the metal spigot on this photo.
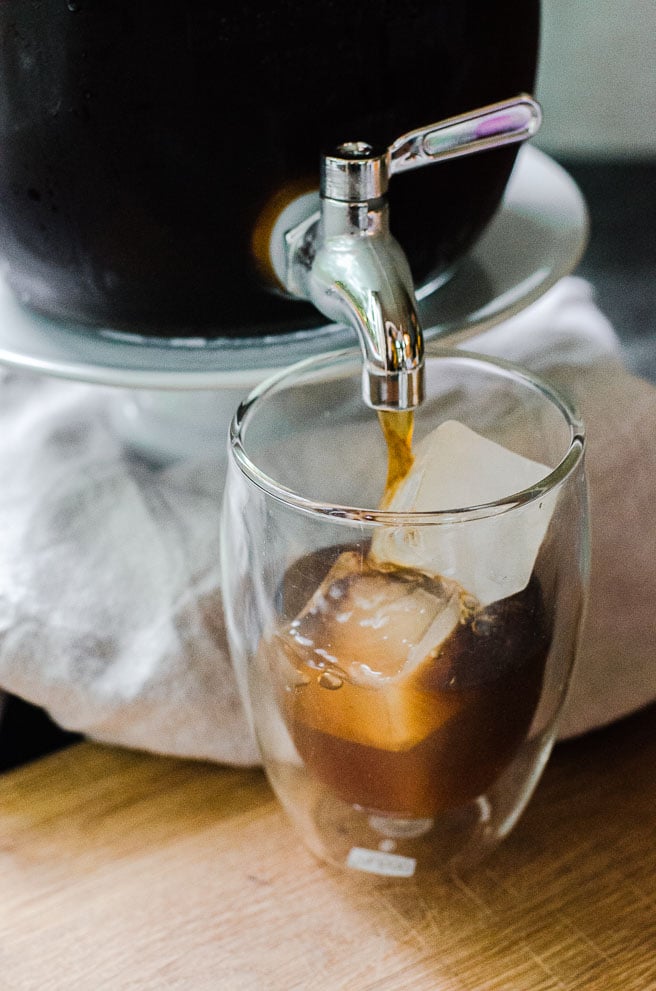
<point>344,259</point>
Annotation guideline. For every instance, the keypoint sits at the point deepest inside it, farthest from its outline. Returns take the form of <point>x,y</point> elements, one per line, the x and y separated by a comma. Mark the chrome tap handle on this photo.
<point>488,127</point>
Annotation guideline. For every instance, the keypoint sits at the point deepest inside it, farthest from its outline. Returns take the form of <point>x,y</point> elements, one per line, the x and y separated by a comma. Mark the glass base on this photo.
<point>379,845</point>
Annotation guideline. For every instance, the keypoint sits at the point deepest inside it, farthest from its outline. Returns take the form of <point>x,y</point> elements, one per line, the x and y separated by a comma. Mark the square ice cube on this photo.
<point>355,656</point>
<point>454,468</point>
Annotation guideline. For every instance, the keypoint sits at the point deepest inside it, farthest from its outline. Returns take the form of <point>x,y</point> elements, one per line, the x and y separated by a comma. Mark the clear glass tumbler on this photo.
<point>403,670</point>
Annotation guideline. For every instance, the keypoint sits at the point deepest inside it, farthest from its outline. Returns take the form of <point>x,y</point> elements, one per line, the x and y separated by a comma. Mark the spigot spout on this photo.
<point>344,259</point>
<point>348,264</point>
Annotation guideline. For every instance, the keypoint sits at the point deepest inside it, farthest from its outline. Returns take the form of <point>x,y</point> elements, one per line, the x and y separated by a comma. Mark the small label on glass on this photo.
<point>377,862</point>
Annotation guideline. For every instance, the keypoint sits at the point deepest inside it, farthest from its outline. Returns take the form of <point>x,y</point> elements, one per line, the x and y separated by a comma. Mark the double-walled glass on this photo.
<point>420,749</point>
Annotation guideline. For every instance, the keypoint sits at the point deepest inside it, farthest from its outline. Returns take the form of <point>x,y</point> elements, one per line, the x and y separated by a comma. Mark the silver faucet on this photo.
<point>344,259</point>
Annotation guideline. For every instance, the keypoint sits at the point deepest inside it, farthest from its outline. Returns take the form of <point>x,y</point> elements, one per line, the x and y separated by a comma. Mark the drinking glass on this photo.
<point>404,693</point>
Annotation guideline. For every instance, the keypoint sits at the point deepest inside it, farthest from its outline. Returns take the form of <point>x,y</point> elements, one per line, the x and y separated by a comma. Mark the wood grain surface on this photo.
<point>122,871</point>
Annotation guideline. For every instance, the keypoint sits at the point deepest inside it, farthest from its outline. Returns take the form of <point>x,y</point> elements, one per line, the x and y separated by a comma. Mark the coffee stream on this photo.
<point>402,693</point>
<point>398,428</point>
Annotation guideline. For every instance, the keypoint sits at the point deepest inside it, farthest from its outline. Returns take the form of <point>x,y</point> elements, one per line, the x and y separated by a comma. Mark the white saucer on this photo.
<point>537,236</point>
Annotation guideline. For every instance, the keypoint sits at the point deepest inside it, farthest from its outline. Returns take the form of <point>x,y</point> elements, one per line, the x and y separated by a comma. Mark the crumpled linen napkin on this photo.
<point>110,609</point>
<point>110,603</point>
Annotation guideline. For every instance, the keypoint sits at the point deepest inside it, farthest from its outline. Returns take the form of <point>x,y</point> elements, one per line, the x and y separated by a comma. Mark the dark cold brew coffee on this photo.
<point>401,693</point>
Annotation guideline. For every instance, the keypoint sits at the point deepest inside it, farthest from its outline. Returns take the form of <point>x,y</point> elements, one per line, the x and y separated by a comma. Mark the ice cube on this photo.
<point>355,655</point>
<point>454,468</point>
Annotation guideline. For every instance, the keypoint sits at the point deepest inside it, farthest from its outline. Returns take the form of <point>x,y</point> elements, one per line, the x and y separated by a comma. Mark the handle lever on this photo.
<point>489,127</point>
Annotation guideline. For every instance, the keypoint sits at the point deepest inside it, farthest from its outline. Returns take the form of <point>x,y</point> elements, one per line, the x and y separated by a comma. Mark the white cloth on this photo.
<point>110,610</point>
<point>110,604</point>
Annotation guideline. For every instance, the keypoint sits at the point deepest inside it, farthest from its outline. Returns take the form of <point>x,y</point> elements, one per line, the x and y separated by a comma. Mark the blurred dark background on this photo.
<point>620,260</point>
